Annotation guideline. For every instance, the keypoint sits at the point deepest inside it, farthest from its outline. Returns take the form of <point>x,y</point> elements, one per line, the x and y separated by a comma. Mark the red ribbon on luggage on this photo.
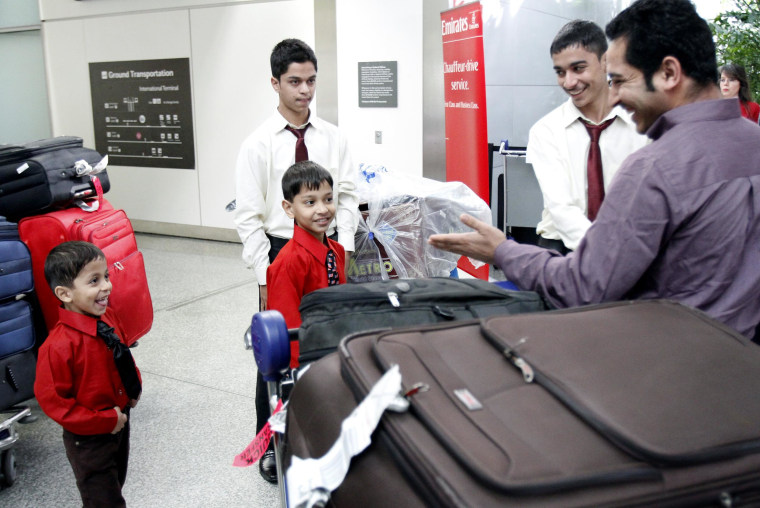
<point>254,451</point>
<point>98,188</point>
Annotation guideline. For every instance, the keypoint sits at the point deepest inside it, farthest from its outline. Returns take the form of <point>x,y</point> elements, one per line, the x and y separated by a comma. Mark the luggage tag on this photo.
<point>306,477</point>
<point>255,450</point>
<point>83,167</point>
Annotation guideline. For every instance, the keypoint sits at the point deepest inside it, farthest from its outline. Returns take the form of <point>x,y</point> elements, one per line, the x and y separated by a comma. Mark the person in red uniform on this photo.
<point>735,84</point>
<point>78,384</point>
<point>303,264</point>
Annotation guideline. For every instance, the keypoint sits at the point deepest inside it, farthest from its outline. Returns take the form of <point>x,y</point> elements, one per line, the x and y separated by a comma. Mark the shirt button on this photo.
<point>120,392</point>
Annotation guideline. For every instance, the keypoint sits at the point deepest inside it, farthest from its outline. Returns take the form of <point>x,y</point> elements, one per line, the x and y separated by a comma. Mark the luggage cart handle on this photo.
<point>271,344</point>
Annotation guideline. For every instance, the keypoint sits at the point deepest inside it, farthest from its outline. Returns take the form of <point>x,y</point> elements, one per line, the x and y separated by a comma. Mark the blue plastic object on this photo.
<point>271,344</point>
<point>505,284</point>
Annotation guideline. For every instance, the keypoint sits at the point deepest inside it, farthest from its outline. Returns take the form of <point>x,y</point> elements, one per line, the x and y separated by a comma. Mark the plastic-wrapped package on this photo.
<point>401,212</point>
<point>366,263</point>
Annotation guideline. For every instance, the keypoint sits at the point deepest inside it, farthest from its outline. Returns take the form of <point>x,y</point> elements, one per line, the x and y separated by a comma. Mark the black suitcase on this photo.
<point>331,313</point>
<point>40,176</point>
<point>626,404</point>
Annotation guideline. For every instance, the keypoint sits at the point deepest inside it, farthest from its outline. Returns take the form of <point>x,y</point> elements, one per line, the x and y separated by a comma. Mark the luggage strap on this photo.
<point>308,478</point>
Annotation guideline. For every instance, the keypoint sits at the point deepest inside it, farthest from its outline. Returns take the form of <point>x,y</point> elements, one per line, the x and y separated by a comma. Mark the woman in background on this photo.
<point>734,83</point>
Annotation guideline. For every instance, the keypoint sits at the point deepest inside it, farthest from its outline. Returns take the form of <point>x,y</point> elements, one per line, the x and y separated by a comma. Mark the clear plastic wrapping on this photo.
<point>401,212</point>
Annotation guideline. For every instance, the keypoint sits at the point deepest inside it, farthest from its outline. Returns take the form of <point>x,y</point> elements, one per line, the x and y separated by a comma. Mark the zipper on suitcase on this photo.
<point>546,383</point>
<point>530,374</point>
<point>423,481</point>
<point>103,221</point>
<point>392,294</point>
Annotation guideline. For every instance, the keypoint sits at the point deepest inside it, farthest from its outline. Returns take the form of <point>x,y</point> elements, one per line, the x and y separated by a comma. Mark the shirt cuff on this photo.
<point>261,275</point>
<point>346,239</point>
<point>502,255</point>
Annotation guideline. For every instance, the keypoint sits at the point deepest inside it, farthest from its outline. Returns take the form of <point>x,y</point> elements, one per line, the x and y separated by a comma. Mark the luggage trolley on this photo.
<point>269,338</point>
<point>8,437</point>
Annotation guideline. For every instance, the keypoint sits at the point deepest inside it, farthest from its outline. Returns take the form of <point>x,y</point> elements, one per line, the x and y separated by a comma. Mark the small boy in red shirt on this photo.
<point>86,378</point>
<point>310,260</point>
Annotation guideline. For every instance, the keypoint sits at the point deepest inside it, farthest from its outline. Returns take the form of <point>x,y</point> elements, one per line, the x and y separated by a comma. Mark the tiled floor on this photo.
<point>197,408</point>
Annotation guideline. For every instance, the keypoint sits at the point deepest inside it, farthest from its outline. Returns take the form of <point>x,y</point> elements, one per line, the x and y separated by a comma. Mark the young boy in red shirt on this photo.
<point>310,260</point>
<point>78,383</point>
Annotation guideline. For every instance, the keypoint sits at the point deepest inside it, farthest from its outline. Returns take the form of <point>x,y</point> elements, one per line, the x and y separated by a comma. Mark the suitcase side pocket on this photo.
<point>15,269</point>
<point>661,381</point>
<point>478,412</point>
<point>130,297</point>
<point>16,328</point>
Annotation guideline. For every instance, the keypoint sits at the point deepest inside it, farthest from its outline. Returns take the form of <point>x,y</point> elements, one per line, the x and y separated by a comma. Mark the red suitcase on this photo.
<point>110,230</point>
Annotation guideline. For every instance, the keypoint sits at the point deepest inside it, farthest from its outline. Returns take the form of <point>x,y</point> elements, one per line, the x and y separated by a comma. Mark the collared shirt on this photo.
<point>264,157</point>
<point>680,221</point>
<point>558,147</point>
<point>77,384</point>
<point>298,270</point>
<point>750,110</point>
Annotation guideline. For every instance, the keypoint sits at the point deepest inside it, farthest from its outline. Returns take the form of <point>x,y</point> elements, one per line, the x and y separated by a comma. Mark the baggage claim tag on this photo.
<point>255,450</point>
<point>306,476</point>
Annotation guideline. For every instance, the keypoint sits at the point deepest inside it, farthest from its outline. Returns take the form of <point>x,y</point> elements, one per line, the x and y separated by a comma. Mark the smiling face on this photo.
<point>90,290</point>
<point>582,76</point>
<point>629,89</point>
<point>296,90</point>
<point>729,86</point>
<point>313,210</point>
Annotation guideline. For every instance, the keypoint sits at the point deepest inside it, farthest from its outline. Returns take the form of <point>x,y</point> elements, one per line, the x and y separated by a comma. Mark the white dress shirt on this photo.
<point>264,157</point>
<point>558,147</point>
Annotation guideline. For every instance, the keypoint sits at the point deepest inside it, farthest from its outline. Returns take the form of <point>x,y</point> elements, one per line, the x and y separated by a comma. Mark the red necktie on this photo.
<point>302,154</point>
<point>332,269</point>
<point>594,167</point>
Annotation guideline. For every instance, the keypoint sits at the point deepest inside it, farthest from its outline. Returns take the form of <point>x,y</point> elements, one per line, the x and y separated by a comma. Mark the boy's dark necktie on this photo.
<point>332,269</point>
<point>122,356</point>
<point>302,154</point>
<point>594,167</point>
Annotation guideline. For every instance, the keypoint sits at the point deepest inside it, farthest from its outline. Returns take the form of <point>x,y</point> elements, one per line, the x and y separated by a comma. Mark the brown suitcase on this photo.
<point>625,404</point>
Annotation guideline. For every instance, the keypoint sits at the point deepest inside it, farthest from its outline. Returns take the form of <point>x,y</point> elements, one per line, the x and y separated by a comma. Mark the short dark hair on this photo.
<point>737,72</point>
<point>655,29</point>
<point>304,174</point>
<point>579,32</point>
<point>288,51</point>
<point>66,260</point>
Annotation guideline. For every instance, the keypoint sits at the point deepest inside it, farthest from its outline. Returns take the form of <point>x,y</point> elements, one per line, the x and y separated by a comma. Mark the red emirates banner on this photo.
<point>464,79</point>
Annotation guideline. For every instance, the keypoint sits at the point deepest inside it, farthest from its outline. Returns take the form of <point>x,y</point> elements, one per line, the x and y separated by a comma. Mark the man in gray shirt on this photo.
<point>681,219</point>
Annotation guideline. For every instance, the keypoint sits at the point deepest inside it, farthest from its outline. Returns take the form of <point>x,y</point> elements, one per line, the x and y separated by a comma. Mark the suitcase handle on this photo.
<point>89,206</point>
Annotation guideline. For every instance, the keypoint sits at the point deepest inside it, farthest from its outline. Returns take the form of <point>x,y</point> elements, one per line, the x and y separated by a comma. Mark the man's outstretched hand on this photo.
<point>478,244</point>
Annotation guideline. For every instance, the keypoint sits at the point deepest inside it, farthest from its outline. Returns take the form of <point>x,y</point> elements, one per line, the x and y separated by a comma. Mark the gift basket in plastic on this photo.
<point>398,214</point>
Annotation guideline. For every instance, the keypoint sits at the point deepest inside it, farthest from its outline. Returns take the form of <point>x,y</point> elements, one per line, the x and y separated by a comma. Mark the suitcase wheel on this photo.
<point>8,467</point>
<point>271,344</point>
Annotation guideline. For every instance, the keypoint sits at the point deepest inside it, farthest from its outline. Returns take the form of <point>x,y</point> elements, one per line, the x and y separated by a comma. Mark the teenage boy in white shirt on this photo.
<point>558,144</point>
